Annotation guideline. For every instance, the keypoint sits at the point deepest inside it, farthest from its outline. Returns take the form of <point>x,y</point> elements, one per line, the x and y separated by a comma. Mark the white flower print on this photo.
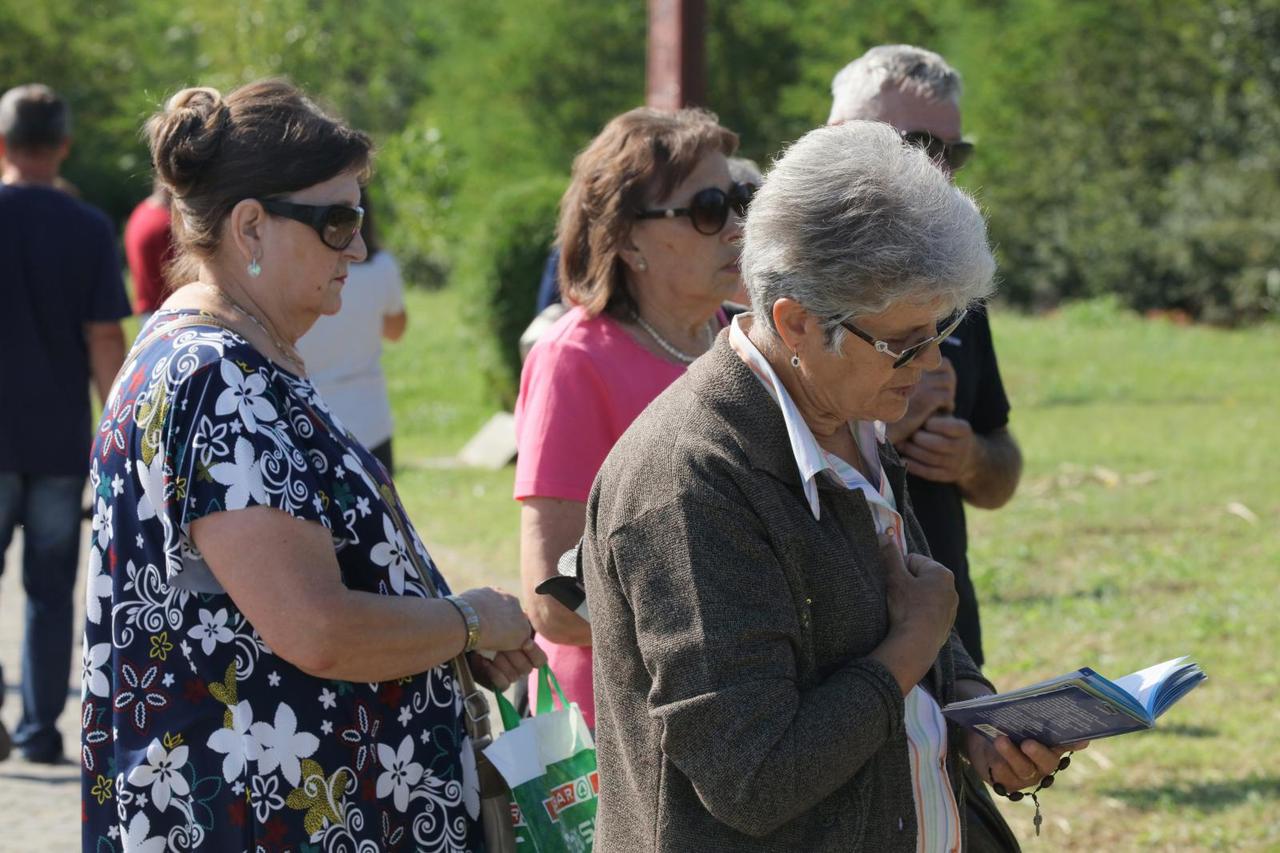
<point>210,440</point>
<point>135,837</point>
<point>393,554</point>
<point>151,477</point>
<point>283,745</point>
<point>266,797</point>
<point>328,699</point>
<point>97,587</point>
<point>163,773</point>
<point>401,773</point>
<point>470,779</point>
<point>236,743</point>
<point>91,676</point>
<point>243,394</point>
<point>211,630</point>
<point>244,477</point>
<point>102,523</point>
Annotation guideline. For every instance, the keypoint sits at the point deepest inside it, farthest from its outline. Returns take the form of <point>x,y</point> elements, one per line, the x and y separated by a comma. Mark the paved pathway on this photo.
<point>39,804</point>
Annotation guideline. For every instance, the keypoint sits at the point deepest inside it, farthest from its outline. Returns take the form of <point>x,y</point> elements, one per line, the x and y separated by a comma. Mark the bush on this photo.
<point>416,187</point>
<point>500,270</point>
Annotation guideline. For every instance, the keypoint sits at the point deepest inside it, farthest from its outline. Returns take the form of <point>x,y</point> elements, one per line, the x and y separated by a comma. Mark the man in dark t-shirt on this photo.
<point>954,438</point>
<point>62,298</point>
<point>965,397</point>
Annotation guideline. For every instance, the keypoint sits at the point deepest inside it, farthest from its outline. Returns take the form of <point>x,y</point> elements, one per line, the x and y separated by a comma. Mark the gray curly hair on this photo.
<point>851,220</point>
<point>901,65</point>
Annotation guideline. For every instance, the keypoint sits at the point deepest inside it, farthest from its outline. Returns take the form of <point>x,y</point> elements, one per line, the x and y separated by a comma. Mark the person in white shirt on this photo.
<point>343,352</point>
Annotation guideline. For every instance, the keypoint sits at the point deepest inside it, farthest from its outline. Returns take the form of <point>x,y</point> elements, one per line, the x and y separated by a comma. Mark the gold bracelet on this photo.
<point>470,617</point>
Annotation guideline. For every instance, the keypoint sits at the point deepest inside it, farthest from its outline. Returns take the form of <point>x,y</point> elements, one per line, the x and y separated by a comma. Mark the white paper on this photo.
<point>1143,684</point>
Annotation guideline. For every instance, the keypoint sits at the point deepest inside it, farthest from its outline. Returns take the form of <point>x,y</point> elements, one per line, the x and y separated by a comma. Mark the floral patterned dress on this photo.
<point>195,735</point>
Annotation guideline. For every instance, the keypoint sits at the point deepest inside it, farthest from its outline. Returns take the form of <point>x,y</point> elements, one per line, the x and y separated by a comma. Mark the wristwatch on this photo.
<point>471,619</point>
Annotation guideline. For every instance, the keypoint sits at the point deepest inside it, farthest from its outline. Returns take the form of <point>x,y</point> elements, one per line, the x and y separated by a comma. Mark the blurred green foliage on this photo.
<point>1130,149</point>
<point>498,277</point>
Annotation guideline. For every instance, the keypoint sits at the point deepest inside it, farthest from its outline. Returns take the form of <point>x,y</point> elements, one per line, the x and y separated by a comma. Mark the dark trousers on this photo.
<point>48,508</point>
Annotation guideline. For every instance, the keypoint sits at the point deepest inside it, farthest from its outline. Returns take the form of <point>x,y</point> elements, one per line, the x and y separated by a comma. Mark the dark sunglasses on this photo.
<point>953,154</point>
<point>906,356</point>
<point>337,224</point>
<point>709,209</point>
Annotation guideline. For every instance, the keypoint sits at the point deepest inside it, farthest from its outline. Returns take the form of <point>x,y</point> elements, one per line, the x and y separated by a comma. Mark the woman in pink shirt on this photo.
<point>649,231</point>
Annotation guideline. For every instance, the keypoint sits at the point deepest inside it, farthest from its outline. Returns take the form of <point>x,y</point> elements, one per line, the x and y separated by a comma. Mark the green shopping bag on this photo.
<point>549,760</point>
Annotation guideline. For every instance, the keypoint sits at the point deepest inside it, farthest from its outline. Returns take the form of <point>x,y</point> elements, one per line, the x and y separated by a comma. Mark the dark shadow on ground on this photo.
<point>1176,730</point>
<point>1204,796</point>
<point>73,779</point>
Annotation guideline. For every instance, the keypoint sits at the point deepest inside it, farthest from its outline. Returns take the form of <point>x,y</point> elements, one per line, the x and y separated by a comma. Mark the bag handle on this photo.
<point>546,680</point>
<point>510,716</point>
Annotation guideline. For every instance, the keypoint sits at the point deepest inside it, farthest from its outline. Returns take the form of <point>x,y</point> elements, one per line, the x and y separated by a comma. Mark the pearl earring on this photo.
<point>255,268</point>
<point>641,265</point>
<point>795,359</point>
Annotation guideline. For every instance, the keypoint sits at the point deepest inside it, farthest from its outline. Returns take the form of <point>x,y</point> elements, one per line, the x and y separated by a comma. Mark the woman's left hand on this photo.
<point>1015,766</point>
<point>506,667</point>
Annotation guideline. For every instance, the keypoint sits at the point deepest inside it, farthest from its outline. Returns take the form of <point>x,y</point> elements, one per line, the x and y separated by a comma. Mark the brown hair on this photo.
<point>34,118</point>
<point>264,139</point>
<point>640,156</point>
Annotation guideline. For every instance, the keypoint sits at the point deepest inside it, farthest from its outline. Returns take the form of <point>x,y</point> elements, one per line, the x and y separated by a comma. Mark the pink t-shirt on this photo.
<point>582,385</point>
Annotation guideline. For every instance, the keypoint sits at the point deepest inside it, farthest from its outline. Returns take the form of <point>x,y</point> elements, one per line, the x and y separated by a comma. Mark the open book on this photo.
<point>1080,705</point>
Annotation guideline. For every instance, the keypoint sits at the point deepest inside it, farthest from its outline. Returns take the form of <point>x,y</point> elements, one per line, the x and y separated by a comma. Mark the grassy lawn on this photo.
<point>1145,527</point>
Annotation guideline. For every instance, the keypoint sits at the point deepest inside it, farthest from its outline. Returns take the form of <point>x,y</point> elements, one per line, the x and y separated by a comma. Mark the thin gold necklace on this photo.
<point>671,349</point>
<point>289,352</point>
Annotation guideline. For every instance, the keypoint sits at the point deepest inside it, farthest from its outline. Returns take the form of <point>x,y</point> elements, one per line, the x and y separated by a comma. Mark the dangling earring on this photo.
<point>255,268</point>
<point>641,265</point>
<point>795,359</point>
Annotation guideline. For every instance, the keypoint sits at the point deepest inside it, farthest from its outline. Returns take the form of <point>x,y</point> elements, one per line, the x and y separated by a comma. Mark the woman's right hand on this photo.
<point>922,603</point>
<point>503,625</point>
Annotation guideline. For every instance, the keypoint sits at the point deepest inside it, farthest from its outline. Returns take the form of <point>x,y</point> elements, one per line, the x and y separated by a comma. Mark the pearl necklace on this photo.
<point>289,352</point>
<point>670,348</point>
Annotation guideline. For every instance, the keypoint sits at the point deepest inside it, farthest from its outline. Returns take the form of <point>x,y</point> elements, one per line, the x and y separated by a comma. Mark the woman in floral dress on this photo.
<point>264,669</point>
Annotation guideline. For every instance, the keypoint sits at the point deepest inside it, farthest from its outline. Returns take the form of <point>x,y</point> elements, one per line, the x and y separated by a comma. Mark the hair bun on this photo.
<point>186,136</point>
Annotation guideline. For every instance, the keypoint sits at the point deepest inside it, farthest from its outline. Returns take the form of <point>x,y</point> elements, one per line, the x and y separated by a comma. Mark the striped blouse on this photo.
<point>937,818</point>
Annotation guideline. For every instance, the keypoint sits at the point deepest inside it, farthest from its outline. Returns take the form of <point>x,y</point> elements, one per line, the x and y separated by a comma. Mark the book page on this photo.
<point>1068,714</point>
<point>1143,684</point>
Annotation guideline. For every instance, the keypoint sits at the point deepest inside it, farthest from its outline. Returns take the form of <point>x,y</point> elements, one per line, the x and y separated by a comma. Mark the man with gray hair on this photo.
<point>62,299</point>
<point>955,436</point>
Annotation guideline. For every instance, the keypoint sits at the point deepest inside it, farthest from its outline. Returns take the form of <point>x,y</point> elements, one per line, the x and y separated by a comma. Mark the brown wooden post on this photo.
<point>677,73</point>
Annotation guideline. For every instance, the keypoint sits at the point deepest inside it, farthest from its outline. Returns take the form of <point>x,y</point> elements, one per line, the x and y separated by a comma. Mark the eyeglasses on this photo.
<point>337,224</point>
<point>709,208</point>
<point>953,154</point>
<point>902,359</point>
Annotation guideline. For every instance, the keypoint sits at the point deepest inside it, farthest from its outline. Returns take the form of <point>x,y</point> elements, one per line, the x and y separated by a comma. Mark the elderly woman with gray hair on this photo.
<point>772,642</point>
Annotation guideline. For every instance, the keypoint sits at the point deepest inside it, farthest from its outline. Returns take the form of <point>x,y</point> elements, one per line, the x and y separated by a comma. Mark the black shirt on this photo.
<point>980,400</point>
<point>59,269</point>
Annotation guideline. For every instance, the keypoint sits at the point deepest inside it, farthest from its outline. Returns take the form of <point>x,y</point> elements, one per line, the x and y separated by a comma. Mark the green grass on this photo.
<point>1119,550</point>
